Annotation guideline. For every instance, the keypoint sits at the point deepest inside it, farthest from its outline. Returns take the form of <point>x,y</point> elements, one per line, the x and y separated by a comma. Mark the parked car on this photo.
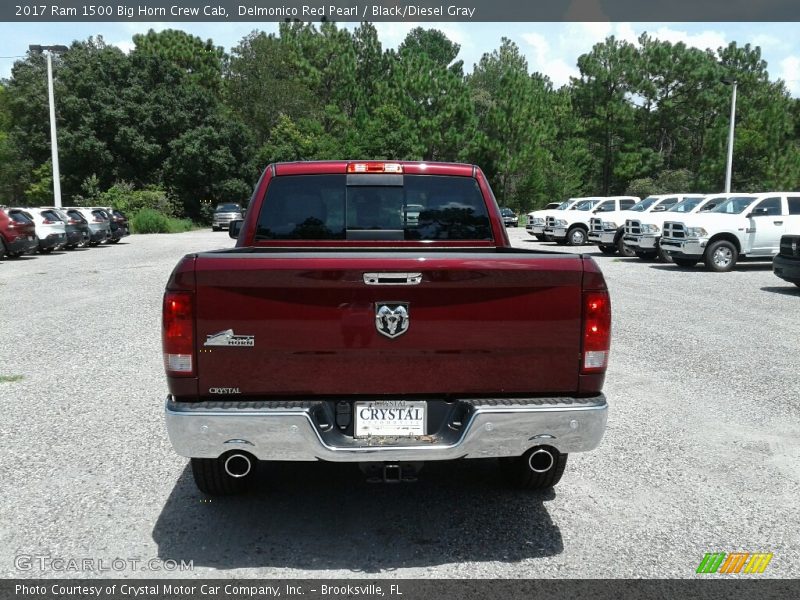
<point>510,218</point>
<point>77,229</point>
<point>442,316</point>
<point>81,221</point>
<point>786,263</point>
<point>50,229</point>
<point>115,227</point>
<point>99,224</point>
<point>642,234</point>
<point>537,220</point>
<point>121,219</point>
<point>741,226</point>
<point>224,214</point>
<point>607,231</point>
<point>572,226</point>
<point>17,233</point>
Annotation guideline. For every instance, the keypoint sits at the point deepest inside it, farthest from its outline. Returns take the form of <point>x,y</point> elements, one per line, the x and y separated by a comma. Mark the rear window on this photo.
<point>74,214</point>
<point>373,207</point>
<point>19,217</point>
<point>99,214</point>
<point>51,215</point>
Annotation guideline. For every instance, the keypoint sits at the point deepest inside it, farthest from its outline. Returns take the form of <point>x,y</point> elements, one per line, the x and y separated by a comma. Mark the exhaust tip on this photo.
<point>541,460</point>
<point>238,465</point>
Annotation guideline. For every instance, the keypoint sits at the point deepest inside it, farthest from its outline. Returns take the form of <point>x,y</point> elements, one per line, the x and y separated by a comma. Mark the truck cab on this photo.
<point>572,227</point>
<point>741,226</point>
<point>642,234</point>
<point>607,230</point>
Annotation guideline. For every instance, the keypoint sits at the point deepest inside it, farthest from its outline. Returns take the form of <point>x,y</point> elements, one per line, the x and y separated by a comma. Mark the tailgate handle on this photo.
<point>392,278</point>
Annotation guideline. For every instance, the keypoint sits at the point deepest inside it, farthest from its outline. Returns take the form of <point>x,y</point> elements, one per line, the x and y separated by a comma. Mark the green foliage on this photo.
<point>11,164</point>
<point>40,189</point>
<point>148,220</point>
<point>123,196</point>
<point>201,61</point>
<point>206,214</point>
<point>642,187</point>
<point>667,182</point>
<point>671,181</point>
<point>90,192</point>
<point>516,127</point>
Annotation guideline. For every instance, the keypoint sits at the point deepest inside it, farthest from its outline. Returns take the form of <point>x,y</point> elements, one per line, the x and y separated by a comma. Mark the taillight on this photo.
<point>73,222</point>
<point>374,167</point>
<point>596,332</point>
<point>49,222</point>
<point>96,220</point>
<point>178,333</point>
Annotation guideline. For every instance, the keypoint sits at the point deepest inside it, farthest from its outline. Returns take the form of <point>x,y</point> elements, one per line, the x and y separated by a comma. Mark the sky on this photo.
<point>551,48</point>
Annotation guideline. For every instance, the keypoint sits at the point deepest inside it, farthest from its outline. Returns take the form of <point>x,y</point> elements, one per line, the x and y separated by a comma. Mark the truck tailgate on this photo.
<point>278,323</point>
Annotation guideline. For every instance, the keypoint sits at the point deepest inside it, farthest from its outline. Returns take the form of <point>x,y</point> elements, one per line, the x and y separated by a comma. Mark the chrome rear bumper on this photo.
<point>280,430</point>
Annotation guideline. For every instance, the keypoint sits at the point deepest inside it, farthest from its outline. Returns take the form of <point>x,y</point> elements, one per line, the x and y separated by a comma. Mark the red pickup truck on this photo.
<point>376,313</point>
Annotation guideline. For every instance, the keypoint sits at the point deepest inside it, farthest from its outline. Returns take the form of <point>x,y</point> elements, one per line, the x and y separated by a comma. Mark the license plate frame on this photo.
<point>390,422</point>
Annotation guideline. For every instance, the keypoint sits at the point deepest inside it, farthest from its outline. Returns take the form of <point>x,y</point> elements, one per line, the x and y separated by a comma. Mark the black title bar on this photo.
<point>710,588</point>
<point>402,10</point>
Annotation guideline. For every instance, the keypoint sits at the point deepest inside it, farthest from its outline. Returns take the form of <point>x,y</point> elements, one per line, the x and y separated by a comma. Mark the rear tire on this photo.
<point>663,256</point>
<point>608,250</point>
<point>539,237</point>
<point>685,262</point>
<point>623,250</point>
<point>721,256</point>
<point>210,477</point>
<point>2,248</point>
<point>214,228</point>
<point>647,255</point>
<point>519,475</point>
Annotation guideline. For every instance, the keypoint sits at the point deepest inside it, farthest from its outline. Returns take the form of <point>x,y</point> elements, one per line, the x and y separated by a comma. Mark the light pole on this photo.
<point>52,102</point>
<point>732,82</point>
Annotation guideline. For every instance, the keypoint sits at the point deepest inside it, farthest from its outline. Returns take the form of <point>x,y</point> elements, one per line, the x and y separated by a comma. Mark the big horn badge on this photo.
<point>392,318</point>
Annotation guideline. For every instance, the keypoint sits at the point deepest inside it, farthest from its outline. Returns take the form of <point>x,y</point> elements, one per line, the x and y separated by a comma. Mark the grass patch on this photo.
<point>11,378</point>
<point>148,220</point>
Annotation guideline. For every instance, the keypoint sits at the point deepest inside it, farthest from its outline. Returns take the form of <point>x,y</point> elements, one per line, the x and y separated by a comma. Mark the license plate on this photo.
<point>390,417</point>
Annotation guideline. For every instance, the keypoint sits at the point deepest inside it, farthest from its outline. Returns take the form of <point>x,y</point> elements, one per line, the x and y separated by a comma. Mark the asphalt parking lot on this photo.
<point>702,452</point>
